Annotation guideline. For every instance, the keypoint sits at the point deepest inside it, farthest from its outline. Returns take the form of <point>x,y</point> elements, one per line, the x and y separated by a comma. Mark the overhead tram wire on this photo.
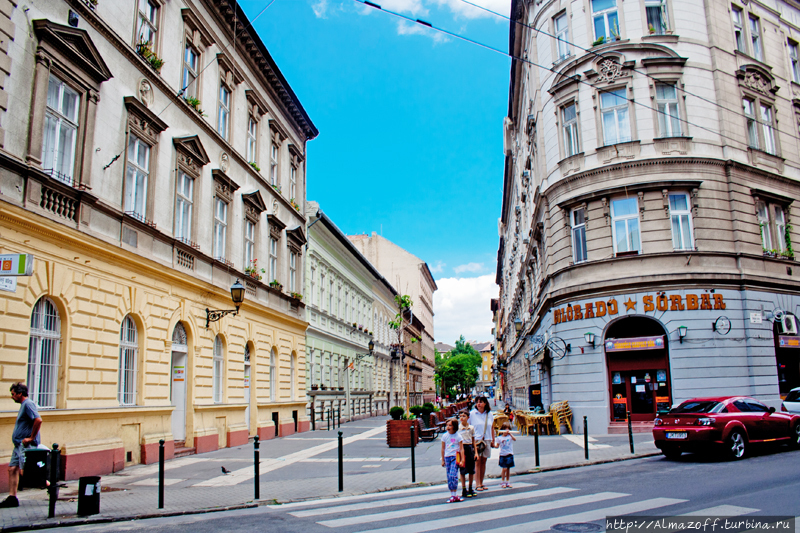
<point>634,69</point>
<point>249,24</point>
<point>551,69</point>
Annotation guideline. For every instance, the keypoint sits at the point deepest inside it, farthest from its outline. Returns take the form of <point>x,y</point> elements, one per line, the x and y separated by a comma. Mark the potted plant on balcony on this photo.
<point>294,204</point>
<point>145,50</point>
<point>275,284</point>
<point>254,165</point>
<point>195,104</point>
<point>252,270</point>
<point>296,295</point>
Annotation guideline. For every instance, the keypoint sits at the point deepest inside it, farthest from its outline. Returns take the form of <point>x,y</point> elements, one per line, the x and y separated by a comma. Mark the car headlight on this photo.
<point>658,422</point>
<point>705,421</point>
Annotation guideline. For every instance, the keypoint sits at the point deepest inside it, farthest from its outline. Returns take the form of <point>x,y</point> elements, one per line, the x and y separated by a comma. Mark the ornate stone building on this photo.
<point>153,155</point>
<point>651,172</point>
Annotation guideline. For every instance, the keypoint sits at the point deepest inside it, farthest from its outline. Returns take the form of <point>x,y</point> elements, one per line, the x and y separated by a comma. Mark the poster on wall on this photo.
<point>535,396</point>
<point>616,379</point>
<point>785,341</point>
<point>620,407</point>
<point>661,375</point>
<point>662,403</point>
<point>635,343</point>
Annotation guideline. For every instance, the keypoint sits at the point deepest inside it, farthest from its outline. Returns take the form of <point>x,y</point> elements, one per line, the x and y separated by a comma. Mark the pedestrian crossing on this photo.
<point>529,506</point>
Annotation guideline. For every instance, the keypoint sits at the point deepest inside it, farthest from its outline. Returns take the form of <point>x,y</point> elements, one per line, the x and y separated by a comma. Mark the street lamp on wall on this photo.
<point>360,356</point>
<point>589,336</point>
<point>237,295</point>
<point>518,324</point>
<point>682,332</point>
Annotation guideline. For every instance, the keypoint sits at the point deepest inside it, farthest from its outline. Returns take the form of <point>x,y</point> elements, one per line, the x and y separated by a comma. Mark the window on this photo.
<point>750,116</point>
<point>669,118</point>
<point>348,315</point>
<point>292,271</point>
<point>614,109</point>
<point>339,301</point>
<point>252,131</point>
<point>183,207</point>
<point>313,285</point>
<point>136,177</point>
<point>293,183</point>
<point>273,370</point>
<point>273,258</point>
<point>148,22</point>
<point>322,292</point>
<point>762,138</point>
<point>755,37</point>
<point>656,11</point>
<point>273,166</point>
<point>292,374</point>
<point>330,299</point>
<point>224,114</point>
<point>220,228</point>
<point>772,221</point>
<point>249,242</point>
<point>569,117</point>
<point>794,63</point>
<point>681,219</point>
<point>190,60</point>
<point>578,219</point>
<point>60,130</point>
<point>767,129</point>
<point>128,352</point>
<point>738,29</point>
<point>625,214</point>
<point>43,353</point>
<point>606,20</point>
<point>217,370</point>
<point>562,35</point>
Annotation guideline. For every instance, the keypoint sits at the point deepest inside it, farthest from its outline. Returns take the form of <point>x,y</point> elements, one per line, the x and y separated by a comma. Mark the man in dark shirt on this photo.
<point>26,433</point>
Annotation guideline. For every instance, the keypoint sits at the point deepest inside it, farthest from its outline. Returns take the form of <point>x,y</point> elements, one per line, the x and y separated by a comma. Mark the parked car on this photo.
<point>730,424</point>
<point>791,404</point>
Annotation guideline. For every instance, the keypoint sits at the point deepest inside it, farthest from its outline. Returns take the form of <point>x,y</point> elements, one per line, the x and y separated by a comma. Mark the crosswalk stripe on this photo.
<point>587,516</point>
<point>475,502</point>
<point>382,495</point>
<point>722,510</point>
<point>578,439</point>
<point>453,521</point>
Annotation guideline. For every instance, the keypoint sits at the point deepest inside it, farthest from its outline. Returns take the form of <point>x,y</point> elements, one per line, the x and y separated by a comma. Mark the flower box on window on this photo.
<point>145,50</point>
<point>275,284</point>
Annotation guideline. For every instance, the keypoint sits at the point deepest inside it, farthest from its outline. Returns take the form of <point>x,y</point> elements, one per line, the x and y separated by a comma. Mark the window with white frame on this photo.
<point>43,351</point>
<point>339,301</point>
<point>148,22</point>
<point>330,299</point>
<point>737,17</point>
<point>614,111</point>
<point>128,354</point>
<point>625,216</point>
<point>292,374</point>
<point>249,242</point>
<point>293,183</point>
<point>322,292</point>
<point>220,228</point>
<point>273,378</point>
<point>755,37</point>
<point>273,165</point>
<point>569,128</point>
<point>561,26</point>
<point>667,108</point>
<point>184,199</point>
<point>681,219</point>
<point>313,283</point>
<point>292,271</point>
<point>751,121</point>
<point>252,131</point>
<point>578,220</point>
<point>224,112</point>
<point>273,258</point>
<point>760,124</point>
<point>794,61</point>
<point>136,176</point>
<point>657,20</point>
<point>60,130</point>
<point>605,20</point>
<point>768,129</point>
<point>191,59</point>
<point>772,222</point>
<point>348,315</point>
<point>217,370</point>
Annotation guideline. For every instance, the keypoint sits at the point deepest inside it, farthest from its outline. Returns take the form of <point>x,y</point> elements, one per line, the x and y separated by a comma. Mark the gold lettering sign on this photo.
<point>661,302</point>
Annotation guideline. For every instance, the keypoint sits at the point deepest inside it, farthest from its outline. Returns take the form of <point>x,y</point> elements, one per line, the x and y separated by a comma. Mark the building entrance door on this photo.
<point>247,394</point>
<point>178,383</point>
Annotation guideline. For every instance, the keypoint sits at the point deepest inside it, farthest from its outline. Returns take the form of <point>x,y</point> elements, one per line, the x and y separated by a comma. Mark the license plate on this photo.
<point>676,435</point>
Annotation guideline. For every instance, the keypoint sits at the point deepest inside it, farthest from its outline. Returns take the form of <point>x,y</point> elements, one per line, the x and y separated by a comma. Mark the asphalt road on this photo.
<point>574,500</point>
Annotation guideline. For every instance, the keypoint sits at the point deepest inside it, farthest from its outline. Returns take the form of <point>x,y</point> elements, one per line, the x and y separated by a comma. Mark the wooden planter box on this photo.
<point>398,433</point>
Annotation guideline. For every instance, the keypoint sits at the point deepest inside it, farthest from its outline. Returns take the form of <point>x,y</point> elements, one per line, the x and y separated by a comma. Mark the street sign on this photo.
<point>16,265</point>
<point>8,284</point>
<point>755,318</point>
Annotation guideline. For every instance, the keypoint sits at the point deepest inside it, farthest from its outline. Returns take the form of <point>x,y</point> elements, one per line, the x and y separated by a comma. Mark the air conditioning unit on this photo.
<point>789,325</point>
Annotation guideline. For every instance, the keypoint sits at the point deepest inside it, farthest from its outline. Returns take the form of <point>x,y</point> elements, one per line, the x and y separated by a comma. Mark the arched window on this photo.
<point>293,374</point>
<point>128,354</point>
<point>217,377</point>
<point>273,369</point>
<point>43,353</point>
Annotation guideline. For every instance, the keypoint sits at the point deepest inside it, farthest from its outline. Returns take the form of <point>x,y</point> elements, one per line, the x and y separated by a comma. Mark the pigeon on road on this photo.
<point>225,470</point>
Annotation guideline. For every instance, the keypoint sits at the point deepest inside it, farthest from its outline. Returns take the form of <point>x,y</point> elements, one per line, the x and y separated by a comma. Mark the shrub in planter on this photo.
<point>396,412</point>
<point>417,410</point>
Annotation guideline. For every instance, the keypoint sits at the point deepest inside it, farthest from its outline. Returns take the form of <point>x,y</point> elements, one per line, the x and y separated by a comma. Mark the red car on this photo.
<point>730,423</point>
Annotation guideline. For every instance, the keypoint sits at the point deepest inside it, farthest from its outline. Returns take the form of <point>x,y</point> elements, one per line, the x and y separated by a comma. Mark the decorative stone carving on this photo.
<point>628,150</point>
<point>572,164</point>
<point>609,70</point>
<point>224,162</point>
<point>756,82</point>
<point>146,92</point>
<point>673,145</point>
<point>274,207</point>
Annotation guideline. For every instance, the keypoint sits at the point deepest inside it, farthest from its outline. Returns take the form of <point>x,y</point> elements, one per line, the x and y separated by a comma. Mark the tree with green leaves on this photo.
<point>458,369</point>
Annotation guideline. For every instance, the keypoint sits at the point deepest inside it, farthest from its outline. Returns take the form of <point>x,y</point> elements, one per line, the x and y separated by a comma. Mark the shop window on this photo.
<point>615,119</point>
<point>578,219</point>
<point>625,215</point>
<point>605,20</point>
<point>217,370</point>
<point>569,128</point>
<point>669,117</point>
<point>128,354</point>
<point>681,221</point>
<point>43,350</point>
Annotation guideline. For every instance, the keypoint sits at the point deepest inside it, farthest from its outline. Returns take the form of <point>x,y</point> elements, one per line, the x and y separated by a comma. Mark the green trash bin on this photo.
<point>88,495</point>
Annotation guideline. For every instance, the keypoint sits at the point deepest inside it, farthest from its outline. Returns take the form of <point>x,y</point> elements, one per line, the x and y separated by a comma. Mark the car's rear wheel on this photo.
<point>736,445</point>
<point>671,452</point>
<point>795,436</point>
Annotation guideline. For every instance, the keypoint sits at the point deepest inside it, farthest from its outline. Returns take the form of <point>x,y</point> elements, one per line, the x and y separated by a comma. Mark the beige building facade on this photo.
<point>651,177</point>
<point>153,155</point>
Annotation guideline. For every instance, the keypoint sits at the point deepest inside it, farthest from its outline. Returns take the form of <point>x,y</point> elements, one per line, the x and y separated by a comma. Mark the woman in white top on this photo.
<point>482,419</point>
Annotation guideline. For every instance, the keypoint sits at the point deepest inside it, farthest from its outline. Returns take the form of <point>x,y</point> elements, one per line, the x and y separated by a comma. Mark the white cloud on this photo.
<point>320,9</point>
<point>438,267</point>
<point>461,307</point>
<point>411,7</point>
<point>412,28</point>
<point>469,267</point>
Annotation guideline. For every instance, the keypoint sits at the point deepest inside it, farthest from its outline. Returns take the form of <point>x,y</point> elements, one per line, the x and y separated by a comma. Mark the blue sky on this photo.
<point>410,124</point>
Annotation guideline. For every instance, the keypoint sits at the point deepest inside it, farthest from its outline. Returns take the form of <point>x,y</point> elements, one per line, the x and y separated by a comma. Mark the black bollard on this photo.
<point>341,463</point>
<point>630,431</point>
<point>339,415</point>
<point>161,474</point>
<point>585,438</point>
<point>313,419</point>
<point>329,419</point>
<point>256,462</point>
<point>413,446</point>
<point>55,469</point>
<point>536,443</point>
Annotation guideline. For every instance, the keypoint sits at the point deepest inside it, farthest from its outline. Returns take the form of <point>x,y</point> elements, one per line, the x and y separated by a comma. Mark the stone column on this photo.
<point>41,79</point>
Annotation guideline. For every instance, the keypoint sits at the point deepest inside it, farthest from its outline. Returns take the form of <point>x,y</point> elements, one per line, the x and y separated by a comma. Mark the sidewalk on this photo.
<point>298,467</point>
